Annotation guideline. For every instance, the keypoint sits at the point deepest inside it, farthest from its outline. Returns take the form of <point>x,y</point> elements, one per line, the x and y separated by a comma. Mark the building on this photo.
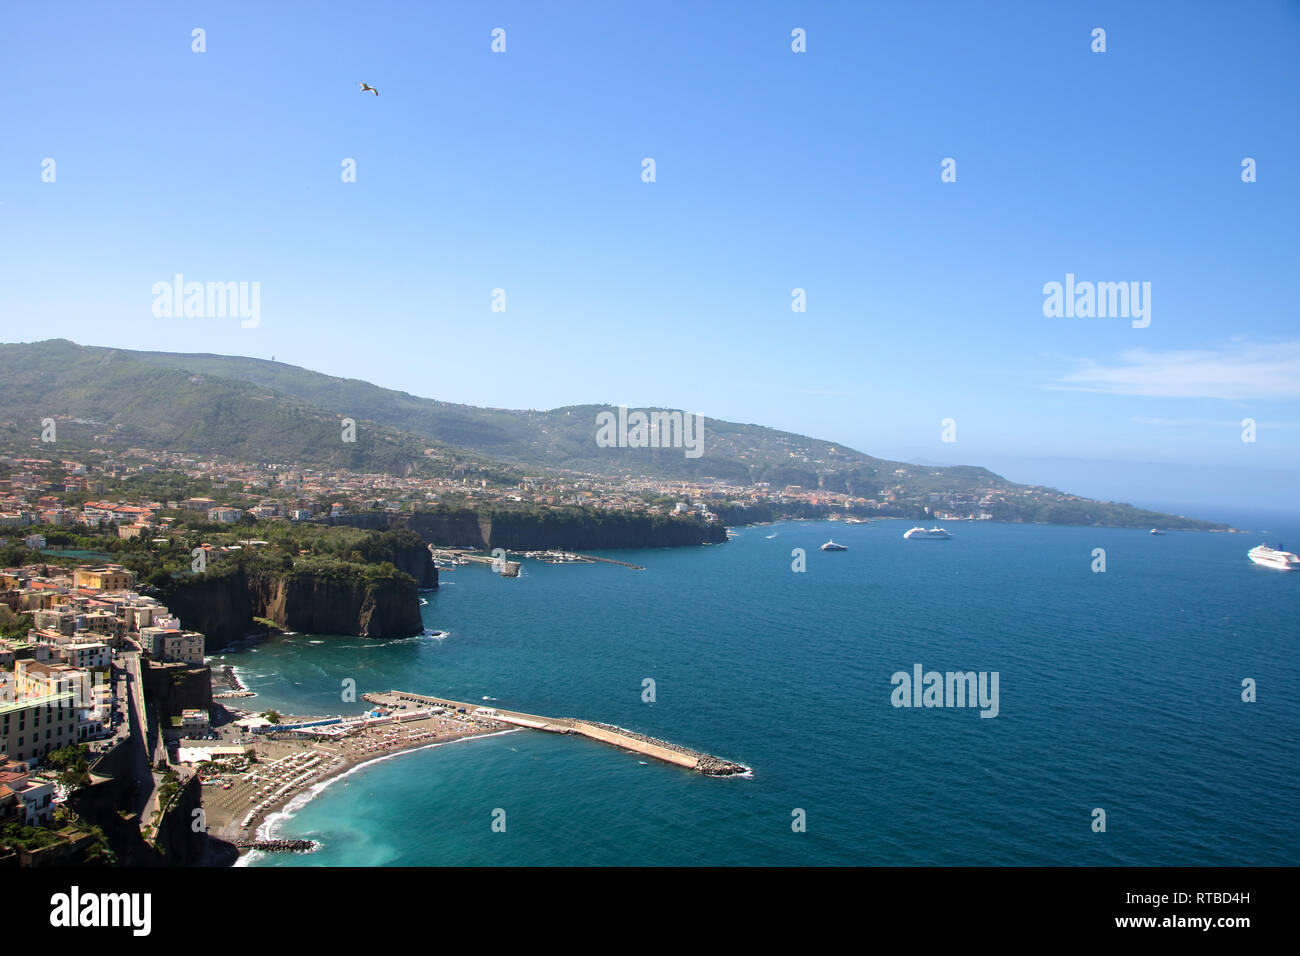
<point>38,678</point>
<point>85,655</point>
<point>172,644</point>
<point>194,721</point>
<point>33,726</point>
<point>107,578</point>
<point>33,805</point>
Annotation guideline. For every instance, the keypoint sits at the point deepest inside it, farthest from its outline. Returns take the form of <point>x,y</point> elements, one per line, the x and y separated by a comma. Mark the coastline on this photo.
<point>294,770</point>
<point>266,825</point>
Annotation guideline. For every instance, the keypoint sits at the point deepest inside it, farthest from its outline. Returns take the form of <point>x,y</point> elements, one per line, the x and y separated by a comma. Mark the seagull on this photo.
<point>367,88</point>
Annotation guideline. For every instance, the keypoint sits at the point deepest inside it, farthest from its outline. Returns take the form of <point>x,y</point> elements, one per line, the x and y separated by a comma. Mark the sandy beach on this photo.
<point>240,796</point>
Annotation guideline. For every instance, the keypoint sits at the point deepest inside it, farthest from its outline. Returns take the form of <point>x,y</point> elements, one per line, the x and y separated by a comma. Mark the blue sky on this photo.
<point>775,170</point>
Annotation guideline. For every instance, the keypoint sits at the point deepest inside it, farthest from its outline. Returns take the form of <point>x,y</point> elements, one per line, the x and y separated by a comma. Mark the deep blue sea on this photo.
<point>1119,690</point>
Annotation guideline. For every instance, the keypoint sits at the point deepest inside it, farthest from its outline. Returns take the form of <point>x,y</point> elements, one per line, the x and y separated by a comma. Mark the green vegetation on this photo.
<point>96,852</point>
<point>73,764</point>
<point>242,409</point>
<point>13,626</point>
<point>145,405</point>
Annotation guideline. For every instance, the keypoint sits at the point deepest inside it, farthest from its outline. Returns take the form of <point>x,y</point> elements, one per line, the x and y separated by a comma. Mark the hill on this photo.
<point>110,396</point>
<point>260,411</point>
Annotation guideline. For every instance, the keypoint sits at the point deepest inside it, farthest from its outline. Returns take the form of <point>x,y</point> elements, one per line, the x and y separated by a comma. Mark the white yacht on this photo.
<point>937,534</point>
<point>832,546</point>
<point>1272,558</point>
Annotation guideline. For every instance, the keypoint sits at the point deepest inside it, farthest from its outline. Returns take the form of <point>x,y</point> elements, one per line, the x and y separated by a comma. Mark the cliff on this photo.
<point>405,551</point>
<point>338,598</point>
<point>182,838</point>
<point>335,604</point>
<point>172,686</point>
<point>525,530</point>
<point>219,606</point>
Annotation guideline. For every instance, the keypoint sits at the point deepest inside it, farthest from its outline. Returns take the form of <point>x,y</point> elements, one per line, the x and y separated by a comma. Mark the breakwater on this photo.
<point>278,846</point>
<point>696,760</point>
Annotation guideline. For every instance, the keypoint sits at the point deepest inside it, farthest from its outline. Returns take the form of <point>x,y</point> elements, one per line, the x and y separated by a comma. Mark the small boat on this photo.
<point>832,546</point>
<point>933,534</point>
<point>1156,531</point>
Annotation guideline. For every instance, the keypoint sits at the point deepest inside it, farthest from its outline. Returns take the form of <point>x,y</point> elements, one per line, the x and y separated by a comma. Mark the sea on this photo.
<point>1123,735</point>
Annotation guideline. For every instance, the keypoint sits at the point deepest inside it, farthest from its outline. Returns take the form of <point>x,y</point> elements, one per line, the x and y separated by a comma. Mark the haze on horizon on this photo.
<point>775,170</point>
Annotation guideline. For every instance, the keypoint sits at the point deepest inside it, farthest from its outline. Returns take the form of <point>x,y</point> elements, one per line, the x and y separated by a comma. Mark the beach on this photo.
<point>241,796</point>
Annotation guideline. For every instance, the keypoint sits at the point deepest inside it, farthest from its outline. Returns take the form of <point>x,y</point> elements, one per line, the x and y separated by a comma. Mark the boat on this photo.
<point>1273,558</point>
<point>934,534</point>
<point>832,546</point>
<point>1156,531</point>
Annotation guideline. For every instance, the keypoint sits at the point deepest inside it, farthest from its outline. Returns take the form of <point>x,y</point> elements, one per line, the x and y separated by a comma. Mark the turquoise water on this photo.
<point>1119,690</point>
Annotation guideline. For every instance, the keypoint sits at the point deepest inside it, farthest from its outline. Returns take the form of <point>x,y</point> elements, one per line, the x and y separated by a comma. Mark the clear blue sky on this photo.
<point>774,170</point>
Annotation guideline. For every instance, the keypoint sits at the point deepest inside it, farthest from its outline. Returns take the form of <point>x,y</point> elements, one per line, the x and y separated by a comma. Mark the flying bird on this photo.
<point>367,88</point>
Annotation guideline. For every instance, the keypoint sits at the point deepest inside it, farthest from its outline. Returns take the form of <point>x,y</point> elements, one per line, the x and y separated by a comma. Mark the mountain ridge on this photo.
<point>256,409</point>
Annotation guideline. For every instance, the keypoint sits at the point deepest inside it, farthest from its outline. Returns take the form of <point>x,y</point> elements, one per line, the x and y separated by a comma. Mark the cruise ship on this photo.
<point>1272,558</point>
<point>832,546</point>
<point>922,533</point>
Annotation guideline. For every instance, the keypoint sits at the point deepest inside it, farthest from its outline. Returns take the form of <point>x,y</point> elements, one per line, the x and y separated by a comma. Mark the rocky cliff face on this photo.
<point>300,602</point>
<point>416,561</point>
<point>218,606</point>
<point>173,687</point>
<point>223,608</point>
<point>177,843</point>
<point>525,531</point>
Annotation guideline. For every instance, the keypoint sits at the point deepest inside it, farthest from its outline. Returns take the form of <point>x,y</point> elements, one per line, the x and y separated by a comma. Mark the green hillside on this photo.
<point>269,412</point>
<point>564,438</point>
<point>109,396</point>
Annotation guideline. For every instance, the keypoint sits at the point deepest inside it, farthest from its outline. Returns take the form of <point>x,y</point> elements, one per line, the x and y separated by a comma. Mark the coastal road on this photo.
<point>144,800</point>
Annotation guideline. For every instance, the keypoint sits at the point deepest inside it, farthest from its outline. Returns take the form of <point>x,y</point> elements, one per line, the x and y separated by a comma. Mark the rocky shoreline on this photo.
<point>278,846</point>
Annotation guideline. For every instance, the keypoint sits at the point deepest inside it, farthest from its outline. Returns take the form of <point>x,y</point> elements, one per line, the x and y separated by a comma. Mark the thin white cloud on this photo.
<point>1204,422</point>
<point>1236,372</point>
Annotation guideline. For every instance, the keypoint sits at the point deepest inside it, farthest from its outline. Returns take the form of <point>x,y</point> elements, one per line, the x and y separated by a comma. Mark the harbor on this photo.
<point>448,559</point>
<point>709,765</point>
<point>245,784</point>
